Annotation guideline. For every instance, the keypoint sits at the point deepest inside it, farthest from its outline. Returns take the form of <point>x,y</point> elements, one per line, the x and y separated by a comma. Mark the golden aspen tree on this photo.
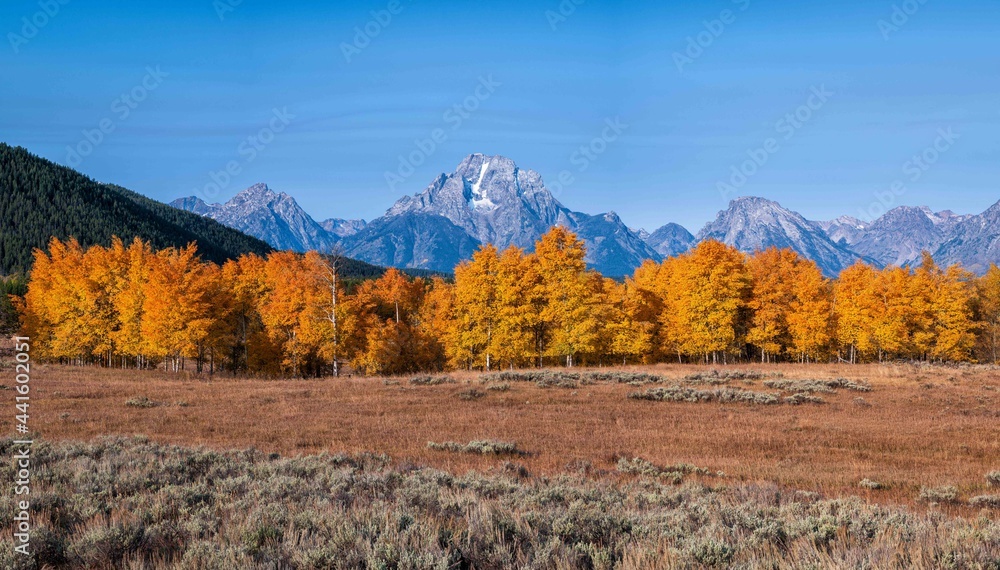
<point>475,310</point>
<point>177,312</point>
<point>646,290</point>
<point>954,324</point>
<point>434,321</point>
<point>568,294</point>
<point>287,310</point>
<point>773,273</point>
<point>62,300</point>
<point>920,291</point>
<point>629,324</point>
<point>988,294</point>
<point>252,349</point>
<point>387,342</point>
<point>810,325</point>
<point>128,303</point>
<point>893,313</point>
<point>333,309</point>
<point>856,307</point>
<point>221,330</point>
<point>105,271</point>
<point>512,339</point>
<point>711,284</point>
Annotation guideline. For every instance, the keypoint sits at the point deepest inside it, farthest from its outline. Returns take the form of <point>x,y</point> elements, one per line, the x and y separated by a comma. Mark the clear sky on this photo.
<point>693,88</point>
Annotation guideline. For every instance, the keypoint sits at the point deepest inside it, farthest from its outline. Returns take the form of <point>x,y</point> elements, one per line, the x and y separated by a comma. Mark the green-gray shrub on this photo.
<point>481,447</point>
<point>945,494</point>
<point>993,478</point>
<point>723,395</point>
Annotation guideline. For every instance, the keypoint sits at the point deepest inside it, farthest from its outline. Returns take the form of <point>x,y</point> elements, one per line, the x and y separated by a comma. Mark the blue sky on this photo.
<point>697,89</point>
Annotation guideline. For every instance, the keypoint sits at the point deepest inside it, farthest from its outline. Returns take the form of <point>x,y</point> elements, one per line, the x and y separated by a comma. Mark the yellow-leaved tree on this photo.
<point>569,299</point>
<point>988,293</point>
<point>177,312</point>
<point>707,293</point>
<point>773,273</point>
<point>475,310</point>
<point>810,315</point>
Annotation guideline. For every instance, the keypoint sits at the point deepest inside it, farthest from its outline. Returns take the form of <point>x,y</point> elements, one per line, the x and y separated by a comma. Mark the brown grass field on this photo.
<point>920,426</point>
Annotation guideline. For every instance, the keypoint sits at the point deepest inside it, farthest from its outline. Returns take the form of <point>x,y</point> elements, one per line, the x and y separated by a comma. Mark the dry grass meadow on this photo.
<point>918,427</point>
<point>755,467</point>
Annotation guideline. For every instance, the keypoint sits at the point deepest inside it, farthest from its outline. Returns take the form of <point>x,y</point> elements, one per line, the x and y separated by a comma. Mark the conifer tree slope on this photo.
<point>40,200</point>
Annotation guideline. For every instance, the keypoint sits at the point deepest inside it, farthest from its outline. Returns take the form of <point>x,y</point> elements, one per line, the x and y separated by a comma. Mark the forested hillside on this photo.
<point>40,200</point>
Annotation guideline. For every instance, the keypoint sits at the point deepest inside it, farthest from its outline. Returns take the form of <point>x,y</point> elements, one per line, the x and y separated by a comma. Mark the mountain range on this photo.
<point>489,199</point>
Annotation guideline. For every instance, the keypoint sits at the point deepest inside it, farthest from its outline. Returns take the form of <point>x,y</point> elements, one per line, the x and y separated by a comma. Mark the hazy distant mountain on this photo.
<point>273,217</point>
<point>846,229</point>
<point>752,224</point>
<point>494,201</point>
<point>612,248</point>
<point>974,241</point>
<point>421,241</point>
<point>670,240</point>
<point>901,235</point>
<point>343,228</point>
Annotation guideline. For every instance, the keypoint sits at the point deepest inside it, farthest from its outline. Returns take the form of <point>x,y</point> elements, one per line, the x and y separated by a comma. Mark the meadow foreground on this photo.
<point>667,466</point>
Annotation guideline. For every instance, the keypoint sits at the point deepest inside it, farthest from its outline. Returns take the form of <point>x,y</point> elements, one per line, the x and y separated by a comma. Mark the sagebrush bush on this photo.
<point>993,478</point>
<point>471,394</point>
<point>723,377</point>
<point>672,473</point>
<point>813,385</point>
<point>802,398</point>
<point>141,402</point>
<point>869,484</point>
<point>482,447</point>
<point>431,380</point>
<point>723,395</point>
<point>128,503</point>
<point>985,501</point>
<point>945,494</point>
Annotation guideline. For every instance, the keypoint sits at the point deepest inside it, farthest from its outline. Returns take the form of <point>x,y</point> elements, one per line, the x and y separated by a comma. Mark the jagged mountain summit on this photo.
<point>974,242</point>
<point>343,228</point>
<point>274,217</point>
<point>670,240</point>
<point>489,199</point>
<point>844,230</point>
<point>492,200</point>
<point>900,235</point>
<point>751,224</point>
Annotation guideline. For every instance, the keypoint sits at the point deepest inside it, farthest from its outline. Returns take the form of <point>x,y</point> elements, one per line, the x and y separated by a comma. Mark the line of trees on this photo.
<point>290,314</point>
